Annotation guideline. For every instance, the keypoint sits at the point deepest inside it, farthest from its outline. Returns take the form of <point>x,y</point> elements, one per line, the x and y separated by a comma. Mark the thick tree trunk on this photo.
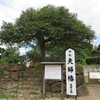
<point>41,44</point>
<point>42,49</point>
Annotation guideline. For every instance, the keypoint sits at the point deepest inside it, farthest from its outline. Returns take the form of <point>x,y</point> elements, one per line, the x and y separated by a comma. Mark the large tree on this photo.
<point>48,25</point>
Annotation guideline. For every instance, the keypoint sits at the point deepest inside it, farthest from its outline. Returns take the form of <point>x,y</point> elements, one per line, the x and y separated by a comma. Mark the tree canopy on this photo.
<point>49,26</point>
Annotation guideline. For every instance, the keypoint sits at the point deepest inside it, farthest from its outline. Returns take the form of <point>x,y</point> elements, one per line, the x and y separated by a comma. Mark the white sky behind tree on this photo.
<point>88,11</point>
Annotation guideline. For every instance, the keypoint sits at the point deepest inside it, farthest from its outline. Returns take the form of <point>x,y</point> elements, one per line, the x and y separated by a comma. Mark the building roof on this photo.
<point>96,52</point>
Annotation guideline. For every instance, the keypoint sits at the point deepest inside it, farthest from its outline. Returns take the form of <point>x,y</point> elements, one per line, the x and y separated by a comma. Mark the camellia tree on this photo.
<point>49,25</point>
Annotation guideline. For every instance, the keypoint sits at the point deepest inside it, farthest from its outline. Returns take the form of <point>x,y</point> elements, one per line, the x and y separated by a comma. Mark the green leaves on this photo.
<point>9,55</point>
<point>50,24</point>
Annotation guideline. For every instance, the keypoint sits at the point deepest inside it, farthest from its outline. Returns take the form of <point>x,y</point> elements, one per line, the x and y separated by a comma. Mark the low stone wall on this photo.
<point>91,68</point>
<point>80,82</point>
<point>10,74</point>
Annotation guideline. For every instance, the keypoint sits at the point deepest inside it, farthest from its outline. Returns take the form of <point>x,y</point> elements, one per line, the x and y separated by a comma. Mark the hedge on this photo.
<point>93,60</point>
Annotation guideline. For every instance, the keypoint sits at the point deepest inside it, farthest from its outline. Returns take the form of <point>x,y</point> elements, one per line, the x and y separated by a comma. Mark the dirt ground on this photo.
<point>94,94</point>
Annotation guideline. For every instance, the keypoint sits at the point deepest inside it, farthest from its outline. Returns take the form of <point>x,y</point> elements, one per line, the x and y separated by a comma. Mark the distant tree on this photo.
<point>50,24</point>
<point>31,55</point>
<point>2,52</point>
<point>82,53</point>
<point>98,48</point>
<point>10,55</point>
<point>22,58</point>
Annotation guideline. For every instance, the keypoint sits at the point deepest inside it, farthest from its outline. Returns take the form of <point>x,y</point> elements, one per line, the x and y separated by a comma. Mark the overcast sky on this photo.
<point>88,11</point>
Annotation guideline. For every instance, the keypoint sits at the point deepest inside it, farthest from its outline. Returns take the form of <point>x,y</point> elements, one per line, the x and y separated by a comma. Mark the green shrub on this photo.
<point>82,62</point>
<point>2,96</point>
<point>93,60</point>
<point>3,61</point>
